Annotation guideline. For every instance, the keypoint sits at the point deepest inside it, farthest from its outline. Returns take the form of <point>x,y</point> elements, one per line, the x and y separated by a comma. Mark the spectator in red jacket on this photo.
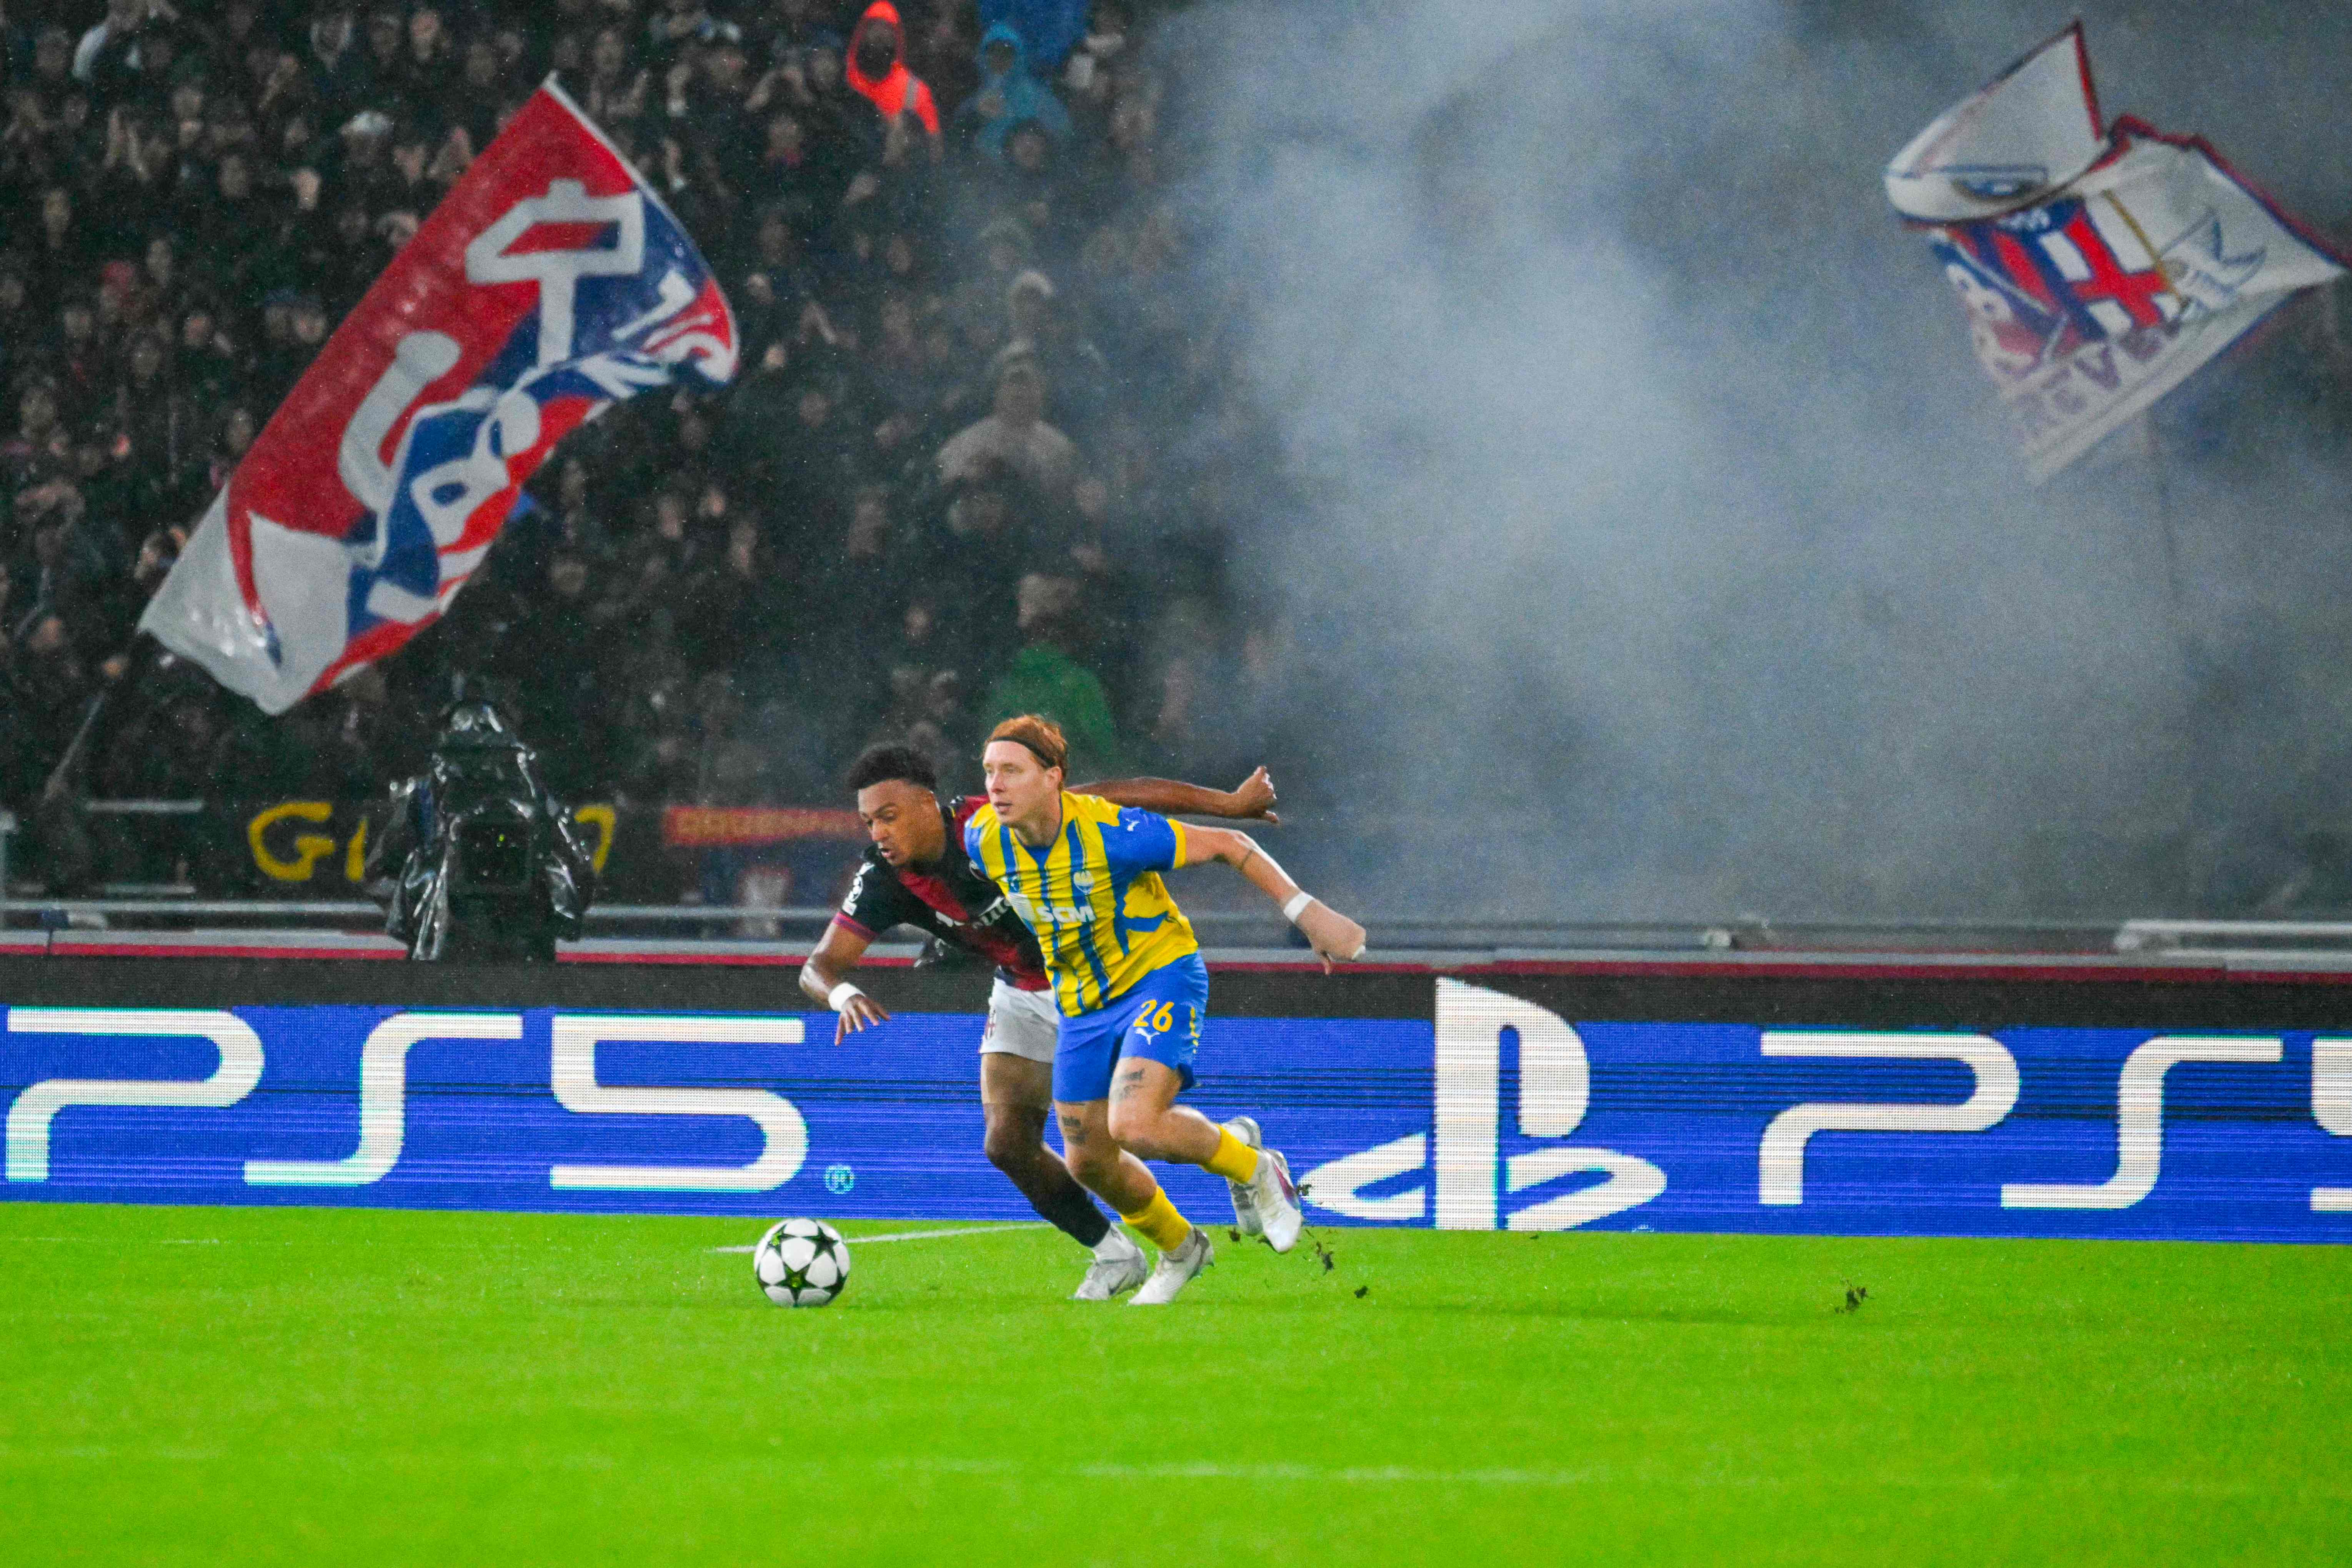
<point>877,69</point>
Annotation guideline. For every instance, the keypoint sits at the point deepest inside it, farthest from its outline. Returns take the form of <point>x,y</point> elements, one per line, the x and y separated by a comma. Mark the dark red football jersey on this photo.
<point>951,899</point>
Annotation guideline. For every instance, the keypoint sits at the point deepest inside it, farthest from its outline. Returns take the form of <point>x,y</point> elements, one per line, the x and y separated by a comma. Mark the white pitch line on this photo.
<point>917,1235</point>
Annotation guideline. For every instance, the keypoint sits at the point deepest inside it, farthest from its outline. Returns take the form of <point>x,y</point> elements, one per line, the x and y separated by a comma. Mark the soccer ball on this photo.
<point>801,1263</point>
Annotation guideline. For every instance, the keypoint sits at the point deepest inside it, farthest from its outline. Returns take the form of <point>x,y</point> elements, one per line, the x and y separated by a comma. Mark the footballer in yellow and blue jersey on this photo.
<point>1126,968</point>
<point>1132,990</point>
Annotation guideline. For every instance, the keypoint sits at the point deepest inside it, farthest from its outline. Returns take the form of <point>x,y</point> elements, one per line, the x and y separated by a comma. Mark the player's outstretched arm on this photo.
<point>822,980</point>
<point>1253,799</point>
<point>1333,934</point>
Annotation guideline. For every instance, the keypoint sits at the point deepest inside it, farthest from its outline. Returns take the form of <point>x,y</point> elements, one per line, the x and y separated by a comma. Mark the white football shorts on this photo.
<point>1025,1023</point>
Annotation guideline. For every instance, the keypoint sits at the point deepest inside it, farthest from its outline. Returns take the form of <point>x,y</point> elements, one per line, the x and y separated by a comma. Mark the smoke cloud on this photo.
<point>1655,540</point>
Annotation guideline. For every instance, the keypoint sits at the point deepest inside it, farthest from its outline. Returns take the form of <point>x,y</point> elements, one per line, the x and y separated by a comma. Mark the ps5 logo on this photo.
<point>1471,1183</point>
<point>574,1042</point>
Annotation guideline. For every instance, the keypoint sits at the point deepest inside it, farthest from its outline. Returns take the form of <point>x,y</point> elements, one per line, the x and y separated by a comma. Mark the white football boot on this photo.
<point>1277,1201</point>
<point>1246,1218</point>
<point>1119,1267</point>
<point>1176,1270</point>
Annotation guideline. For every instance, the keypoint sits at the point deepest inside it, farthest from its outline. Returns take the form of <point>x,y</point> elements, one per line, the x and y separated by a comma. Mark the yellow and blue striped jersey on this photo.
<point>1103,917</point>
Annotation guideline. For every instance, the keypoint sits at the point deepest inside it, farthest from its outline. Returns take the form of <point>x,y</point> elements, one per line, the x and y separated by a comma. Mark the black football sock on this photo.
<point>1056,1196</point>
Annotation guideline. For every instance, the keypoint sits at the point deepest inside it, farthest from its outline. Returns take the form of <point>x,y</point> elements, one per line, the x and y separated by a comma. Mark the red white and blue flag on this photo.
<point>2100,266</point>
<point>550,283</point>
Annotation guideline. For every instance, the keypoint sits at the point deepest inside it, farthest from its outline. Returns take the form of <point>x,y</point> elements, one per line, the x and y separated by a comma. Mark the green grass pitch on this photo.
<point>310,1386</point>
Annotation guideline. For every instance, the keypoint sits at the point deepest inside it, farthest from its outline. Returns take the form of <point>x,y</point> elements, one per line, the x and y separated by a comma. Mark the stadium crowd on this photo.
<point>978,458</point>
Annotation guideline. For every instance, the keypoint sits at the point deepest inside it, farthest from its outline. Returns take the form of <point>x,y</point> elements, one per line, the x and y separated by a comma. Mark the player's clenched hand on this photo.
<point>859,1012</point>
<point>1255,798</point>
<point>1332,934</point>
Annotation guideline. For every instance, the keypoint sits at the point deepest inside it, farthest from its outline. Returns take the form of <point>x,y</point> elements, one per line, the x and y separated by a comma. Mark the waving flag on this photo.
<point>549,284</point>
<point>2099,267</point>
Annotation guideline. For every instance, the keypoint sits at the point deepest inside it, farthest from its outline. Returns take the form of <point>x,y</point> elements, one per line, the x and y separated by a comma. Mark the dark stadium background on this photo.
<point>1526,431</point>
<point>710,601</point>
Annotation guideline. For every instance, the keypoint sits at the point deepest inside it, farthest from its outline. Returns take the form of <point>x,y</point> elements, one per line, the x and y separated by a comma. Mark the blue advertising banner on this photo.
<point>1492,1112</point>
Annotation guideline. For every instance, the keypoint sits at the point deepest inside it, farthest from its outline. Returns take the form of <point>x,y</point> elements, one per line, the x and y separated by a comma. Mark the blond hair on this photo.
<point>1040,734</point>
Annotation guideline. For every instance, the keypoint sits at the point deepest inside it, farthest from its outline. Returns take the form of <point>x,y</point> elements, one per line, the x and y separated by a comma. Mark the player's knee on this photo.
<point>1014,1142</point>
<point>1093,1161</point>
<point>1136,1128</point>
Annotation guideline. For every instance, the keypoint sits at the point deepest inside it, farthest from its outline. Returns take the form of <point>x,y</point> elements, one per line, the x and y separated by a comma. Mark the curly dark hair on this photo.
<point>889,760</point>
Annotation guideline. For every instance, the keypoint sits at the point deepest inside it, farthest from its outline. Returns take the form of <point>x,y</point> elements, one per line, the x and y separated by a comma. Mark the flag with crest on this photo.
<point>2100,266</point>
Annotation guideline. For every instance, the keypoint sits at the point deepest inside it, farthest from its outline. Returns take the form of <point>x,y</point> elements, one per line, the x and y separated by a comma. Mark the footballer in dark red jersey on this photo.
<point>915,874</point>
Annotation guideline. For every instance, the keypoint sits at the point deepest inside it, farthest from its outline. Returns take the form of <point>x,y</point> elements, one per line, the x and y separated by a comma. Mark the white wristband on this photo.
<point>840,995</point>
<point>1298,905</point>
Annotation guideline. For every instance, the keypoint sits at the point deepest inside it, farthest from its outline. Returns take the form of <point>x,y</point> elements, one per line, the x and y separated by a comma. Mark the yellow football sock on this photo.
<point>1235,1160</point>
<point>1159,1220</point>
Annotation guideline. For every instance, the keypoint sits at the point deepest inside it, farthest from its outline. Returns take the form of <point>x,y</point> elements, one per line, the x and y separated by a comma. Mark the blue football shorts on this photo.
<point>1157,1019</point>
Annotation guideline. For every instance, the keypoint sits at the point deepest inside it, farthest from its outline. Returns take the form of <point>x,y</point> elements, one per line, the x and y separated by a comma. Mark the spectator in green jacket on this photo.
<point>1044,678</point>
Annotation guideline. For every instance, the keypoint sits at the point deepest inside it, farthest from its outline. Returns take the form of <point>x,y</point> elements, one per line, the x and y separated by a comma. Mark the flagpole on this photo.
<point>68,776</point>
<point>2176,587</point>
<point>2184,768</point>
